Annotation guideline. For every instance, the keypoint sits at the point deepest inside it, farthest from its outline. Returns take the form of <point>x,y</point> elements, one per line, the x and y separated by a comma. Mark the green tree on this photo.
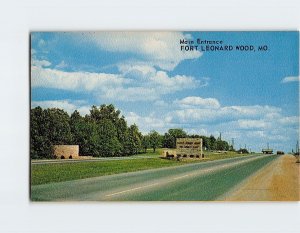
<point>85,134</point>
<point>212,142</point>
<point>169,140</point>
<point>57,126</point>
<point>47,128</point>
<point>40,145</point>
<point>222,145</point>
<point>146,142</point>
<point>243,151</point>
<point>155,141</point>
<point>134,138</point>
<point>123,135</point>
<point>107,140</point>
<point>107,112</point>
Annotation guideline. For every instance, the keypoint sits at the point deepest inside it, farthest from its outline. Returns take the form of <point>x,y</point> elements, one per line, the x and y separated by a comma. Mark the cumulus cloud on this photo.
<point>148,123</point>
<point>161,49</point>
<point>40,63</point>
<point>86,81</point>
<point>290,79</point>
<point>290,120</point>
<point>133,83</point>
<point>227,113</point>
<point>198,102</point>
<point>66,105</point>
<point>253,124</point>
<point>61,65</point>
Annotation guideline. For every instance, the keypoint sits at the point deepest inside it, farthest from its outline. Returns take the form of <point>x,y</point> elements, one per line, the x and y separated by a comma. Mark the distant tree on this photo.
<point>107,112</point>
<point>123,135</point>
<point>243,151</point>
<point>169,139</point>
<point>102,132</point>
<point>57,125</point>
<point>206,142</point>
<point>134,137</point>
<point>154,140</point>
<point>85,134</point>
<point>145,142</point>
<point>40,145</point>
<point>222,145</point>
<point>77,124</point>
<point>107,140</point>
<point>48,127</point>
<point>212,142</point>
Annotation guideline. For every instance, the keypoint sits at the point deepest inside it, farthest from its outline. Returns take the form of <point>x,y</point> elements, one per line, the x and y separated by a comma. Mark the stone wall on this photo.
<point>66,151</point>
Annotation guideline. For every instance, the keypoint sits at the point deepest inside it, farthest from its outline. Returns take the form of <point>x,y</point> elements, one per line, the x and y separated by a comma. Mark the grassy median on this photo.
<point>49,173</point>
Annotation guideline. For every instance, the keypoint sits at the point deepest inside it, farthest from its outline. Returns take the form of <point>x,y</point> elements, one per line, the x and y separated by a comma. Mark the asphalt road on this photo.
<point>193,182</point>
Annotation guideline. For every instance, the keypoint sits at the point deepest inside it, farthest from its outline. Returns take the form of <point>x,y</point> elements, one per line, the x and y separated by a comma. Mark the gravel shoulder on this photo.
<point>278,181</point>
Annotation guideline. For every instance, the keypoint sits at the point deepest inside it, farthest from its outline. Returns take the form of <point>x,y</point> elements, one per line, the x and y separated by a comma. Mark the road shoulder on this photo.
<point>278,181</point>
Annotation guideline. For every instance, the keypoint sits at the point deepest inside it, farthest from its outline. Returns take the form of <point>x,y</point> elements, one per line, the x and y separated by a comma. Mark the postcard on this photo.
<point>164,116</point>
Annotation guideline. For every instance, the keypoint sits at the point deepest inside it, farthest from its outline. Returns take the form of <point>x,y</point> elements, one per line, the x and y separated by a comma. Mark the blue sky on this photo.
<point>249,96</point>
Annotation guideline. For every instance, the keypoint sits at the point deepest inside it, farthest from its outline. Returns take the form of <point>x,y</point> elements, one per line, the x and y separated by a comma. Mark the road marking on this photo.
<point>180,177</point>
<point>129,190</point>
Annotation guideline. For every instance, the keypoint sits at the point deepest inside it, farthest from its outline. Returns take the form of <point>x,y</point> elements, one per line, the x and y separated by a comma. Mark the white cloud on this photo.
<point>137,69</point>
<point>228,113</point>
<point>175,83</point>
<point>161,49</point>
<point>61,65</point>
<point>131,94</point>
<point>160,103</point>
<point>290,79</point>
<point>291,120</point>
<point>253,124</point>
<point>66,105</point>
<point>51,78</point>
<point>40,63</point>
<point>134,83</point>
<point>148,123</point>
<point>198,102</point>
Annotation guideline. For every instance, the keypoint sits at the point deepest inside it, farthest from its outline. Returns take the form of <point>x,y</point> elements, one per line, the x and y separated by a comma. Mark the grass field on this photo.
<point>49,173</point>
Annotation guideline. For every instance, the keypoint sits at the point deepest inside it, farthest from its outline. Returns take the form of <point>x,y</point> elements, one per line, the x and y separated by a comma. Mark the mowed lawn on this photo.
<point>49,173</point>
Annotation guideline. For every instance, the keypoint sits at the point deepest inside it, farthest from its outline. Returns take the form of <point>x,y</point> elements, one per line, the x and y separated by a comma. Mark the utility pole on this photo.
<point>297,152</point>
<point>232,143</point>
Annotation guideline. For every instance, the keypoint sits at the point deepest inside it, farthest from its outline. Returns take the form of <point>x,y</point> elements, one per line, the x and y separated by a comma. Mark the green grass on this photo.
<point>214,156</point>
<point>150,152</point>
<point>49,173</point>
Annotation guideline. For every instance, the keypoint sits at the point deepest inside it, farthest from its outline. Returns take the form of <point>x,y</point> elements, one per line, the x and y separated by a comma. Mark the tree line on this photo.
<point>103,132</point>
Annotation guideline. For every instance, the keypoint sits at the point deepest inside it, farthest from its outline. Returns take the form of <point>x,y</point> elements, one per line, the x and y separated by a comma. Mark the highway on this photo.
<point>192,182</point>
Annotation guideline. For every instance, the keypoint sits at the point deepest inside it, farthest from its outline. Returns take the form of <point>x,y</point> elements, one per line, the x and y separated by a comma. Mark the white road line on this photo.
<point>180,177</point>
<point>128,190</point>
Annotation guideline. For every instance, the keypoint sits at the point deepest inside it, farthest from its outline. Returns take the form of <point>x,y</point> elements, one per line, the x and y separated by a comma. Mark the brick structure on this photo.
<point>186,148</point>
<point>66,151</point>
